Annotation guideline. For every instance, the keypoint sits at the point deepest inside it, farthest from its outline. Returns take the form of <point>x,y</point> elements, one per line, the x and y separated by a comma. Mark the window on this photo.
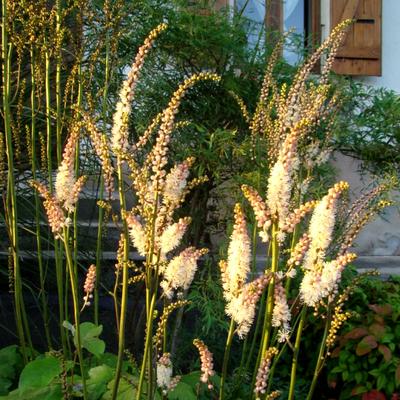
<point>300,16</point>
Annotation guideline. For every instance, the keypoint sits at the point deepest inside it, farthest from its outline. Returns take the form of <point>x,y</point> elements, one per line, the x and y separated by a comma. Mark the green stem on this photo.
<point>75,300</point>
<point>101,189</point>
<point>58,83</point>
<point>296,353</point>
<point>321,359</point>
<point>11,193</point>
<point>124,295</point>
<point>43,298</point>
<point>269,305</point>
<point>226,358</point>
<point>148,344</point>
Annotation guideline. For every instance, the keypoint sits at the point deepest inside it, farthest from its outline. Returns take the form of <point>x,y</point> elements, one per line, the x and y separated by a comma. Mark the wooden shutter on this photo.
<point>362,48</point>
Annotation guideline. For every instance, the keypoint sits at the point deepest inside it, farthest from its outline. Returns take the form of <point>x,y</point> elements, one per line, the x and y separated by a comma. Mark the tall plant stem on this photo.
<point>57,247</point>
<point>124,295</point>
<point>45,310</point>
<point>147,347</point>
<point>269,306</point>
<point>58,81</point>
<point>296,352</point>
<point>151,294</point>
<point>11,193</point>
<point>75,300</point>
<point>320,361</point>
<point>256,332</point>
<point>226,358</point>
<point>101,189</point>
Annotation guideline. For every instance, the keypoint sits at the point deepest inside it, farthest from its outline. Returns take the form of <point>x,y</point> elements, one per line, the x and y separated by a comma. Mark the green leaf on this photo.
<point>89,333</point>
<point>377,330</point>
<point>9,359</point>
<point>182,391</point>
<point>358,390</point>
<point>375,372</point>
<point>384,310</point>
<point>366,345</point>
<point>126,391</point>
<point>381,382</point>
<point>397,375</point>
<point>356,333</point>
<point>39,373</point>
<point>98,380</point>
<point>337,369</point>
<point>385,351</point>
<point>52,392</point>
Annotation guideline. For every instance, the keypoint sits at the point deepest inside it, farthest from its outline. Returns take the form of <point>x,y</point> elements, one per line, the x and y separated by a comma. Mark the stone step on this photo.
<point>89,255</point>
<point>386,265</point>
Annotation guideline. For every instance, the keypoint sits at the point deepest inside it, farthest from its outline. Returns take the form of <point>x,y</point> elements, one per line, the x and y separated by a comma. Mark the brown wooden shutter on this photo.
<point>362,48</point>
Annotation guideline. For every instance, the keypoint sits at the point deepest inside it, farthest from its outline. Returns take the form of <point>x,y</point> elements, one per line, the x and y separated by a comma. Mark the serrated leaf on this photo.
<point>39,373</point>
<point>366,345</point>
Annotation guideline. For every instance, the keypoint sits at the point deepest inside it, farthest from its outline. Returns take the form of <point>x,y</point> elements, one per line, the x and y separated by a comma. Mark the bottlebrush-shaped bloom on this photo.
<point>179,272</point>
<point>239,253</point>
<point>321,226</point>
<point>281,314</point>
<point>172,235</point>
<point>137,234</point>
<point>176,181</point>
<point>242,306</point>
<point>164,372</point>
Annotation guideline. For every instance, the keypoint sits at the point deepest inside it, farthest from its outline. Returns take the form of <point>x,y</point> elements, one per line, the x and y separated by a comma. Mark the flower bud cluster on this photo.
<point>89,285</point>
<point>157,159</point>
<point>295,217</point>
<point>207,365</point>
<point>260,210</point>
<point>263,372</point>
<point>100,144</point>
<point>119,137</point>
<point>158,338</point>
<point>54,212</point>
<point>300,249</point>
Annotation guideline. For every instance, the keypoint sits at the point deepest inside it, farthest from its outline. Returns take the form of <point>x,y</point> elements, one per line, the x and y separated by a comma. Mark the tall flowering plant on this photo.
<point>283,119</point>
